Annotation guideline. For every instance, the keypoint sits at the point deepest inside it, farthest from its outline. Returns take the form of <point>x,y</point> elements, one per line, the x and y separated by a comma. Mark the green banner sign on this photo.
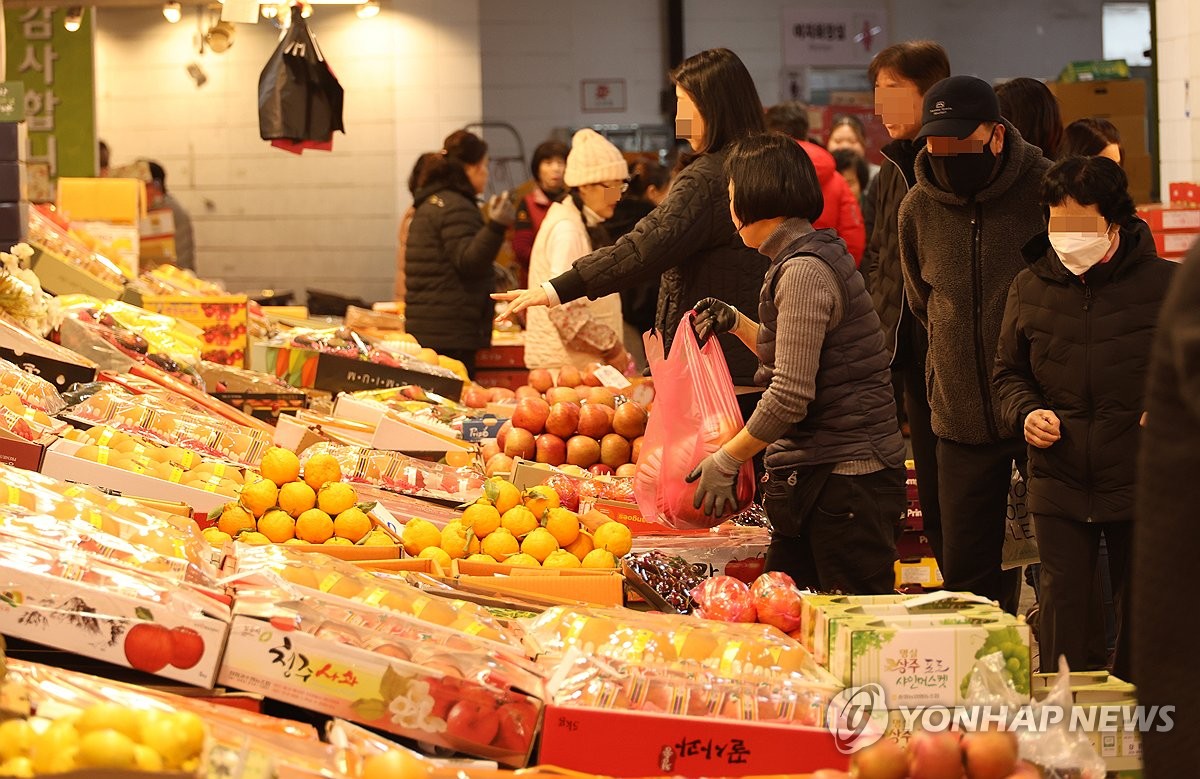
<point>57,68</point>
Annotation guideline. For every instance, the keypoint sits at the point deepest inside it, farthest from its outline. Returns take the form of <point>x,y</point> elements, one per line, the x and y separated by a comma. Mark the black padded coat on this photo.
<point>1080,347</point>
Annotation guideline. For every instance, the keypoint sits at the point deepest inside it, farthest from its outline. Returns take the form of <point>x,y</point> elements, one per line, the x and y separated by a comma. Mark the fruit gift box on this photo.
<point>107,609</point>
<point>400,473</point>
<point>472,701</point>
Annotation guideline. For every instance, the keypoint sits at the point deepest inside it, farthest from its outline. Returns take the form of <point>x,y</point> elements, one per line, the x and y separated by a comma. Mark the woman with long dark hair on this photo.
<point>450,250</point>
<point>690,239</point>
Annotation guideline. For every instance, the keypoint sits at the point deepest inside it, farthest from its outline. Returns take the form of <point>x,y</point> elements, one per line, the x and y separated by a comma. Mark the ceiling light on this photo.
<point>270,11</point>
<point>368,9</point>
<point>305,10</point>
<point>74,18</point>
<point>172,11</point>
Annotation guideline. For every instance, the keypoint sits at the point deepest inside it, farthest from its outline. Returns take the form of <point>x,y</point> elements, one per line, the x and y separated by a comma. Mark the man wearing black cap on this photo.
<point>962,227</point>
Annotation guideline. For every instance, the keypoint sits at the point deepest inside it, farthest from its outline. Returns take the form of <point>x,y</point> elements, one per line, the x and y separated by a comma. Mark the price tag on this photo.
<point>612,378</point>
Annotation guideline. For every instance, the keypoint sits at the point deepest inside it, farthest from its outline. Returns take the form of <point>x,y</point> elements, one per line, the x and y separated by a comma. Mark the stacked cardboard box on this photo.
<point>14,187</point>
<point>1175,227</point>
<point>1122,102</point>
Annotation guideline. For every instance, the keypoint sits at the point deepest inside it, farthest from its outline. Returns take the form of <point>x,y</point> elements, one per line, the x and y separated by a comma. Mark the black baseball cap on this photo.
<point>955,106</point>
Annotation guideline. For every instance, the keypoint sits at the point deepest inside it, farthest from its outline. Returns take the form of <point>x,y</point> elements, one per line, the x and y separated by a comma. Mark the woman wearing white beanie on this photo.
<point>582,331</point>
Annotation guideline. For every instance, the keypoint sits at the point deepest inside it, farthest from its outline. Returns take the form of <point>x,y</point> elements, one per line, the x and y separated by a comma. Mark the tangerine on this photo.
<point>277,525</point>
<point>296,498</point>
<point>321,469</point>
<point>481,519</point>
<point>335,497</point>
<point>314,526</point>
<point>352,523</point>
<point>539,544</point>
<point>563,524</point>
<point>519,521</point>
<point>280,466</point>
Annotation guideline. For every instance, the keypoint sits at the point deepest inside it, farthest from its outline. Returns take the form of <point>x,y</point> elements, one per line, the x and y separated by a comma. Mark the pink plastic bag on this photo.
<point>695,412</point>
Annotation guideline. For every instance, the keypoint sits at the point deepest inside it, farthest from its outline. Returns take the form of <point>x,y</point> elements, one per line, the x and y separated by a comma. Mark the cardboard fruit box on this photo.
<point>380,691</point>
<point>651,744</point>
<point>305,368</point>
<point>565,586</point>
<point>79,617</point>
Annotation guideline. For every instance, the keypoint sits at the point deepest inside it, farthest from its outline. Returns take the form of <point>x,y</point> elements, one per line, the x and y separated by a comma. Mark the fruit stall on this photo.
<point>236,543</point>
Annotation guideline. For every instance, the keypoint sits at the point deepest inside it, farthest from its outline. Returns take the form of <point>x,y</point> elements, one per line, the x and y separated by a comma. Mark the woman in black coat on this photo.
<point>1070,372</point>
<point>689,240</point>
<point>450,251</point>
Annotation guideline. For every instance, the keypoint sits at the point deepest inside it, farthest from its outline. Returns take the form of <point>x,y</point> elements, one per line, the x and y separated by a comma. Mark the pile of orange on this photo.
<point>526,529</point>
<point>109,446</point>
<point>285,506</point>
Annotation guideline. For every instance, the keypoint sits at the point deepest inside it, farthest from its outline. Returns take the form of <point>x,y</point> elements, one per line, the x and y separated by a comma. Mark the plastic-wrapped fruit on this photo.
<point>777,601</point>
<point>726,599</point>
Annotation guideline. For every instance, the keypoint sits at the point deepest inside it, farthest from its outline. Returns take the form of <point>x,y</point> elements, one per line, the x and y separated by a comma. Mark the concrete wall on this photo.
<point>1178,24</point>
<point>263,217</point>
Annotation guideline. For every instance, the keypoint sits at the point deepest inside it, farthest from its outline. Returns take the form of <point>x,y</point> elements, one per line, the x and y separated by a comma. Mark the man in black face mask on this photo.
<point>961,232</point>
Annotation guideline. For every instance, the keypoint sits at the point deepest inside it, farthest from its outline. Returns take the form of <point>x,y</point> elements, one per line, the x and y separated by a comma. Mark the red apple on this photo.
<point>489,450</point>
<point>520,443</point>
<point>600,469</point>
<point>518,720</point>
<point>589,375</point>
<point>582,390</point>
<point>500,394</point>
<point>540,379</point>
<point>187,647</point>
<point>630,420</point>
<point>568,376</point>
<point>551,449</point>
<point>602,396</point>
<point>502,434</point>
<point>583,451</point>
<point>473,721</point>
<point>636,445</point>
<point>531,415</point>
<point>501,463</point>
<point>475,397</point>
<point>561,395</point>
<point>614,451</point>
<point>627,470</point>
<point>594,421</point>
<point>526,391</point>
<point>563,419</point>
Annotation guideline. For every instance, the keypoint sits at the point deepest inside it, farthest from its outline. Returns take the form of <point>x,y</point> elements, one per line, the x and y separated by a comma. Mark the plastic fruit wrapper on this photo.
<point>413,398</point>
<point>117,336</point>
<point>47,234</point>
<point>580,679</point>
<point>725,599</point>
<point>168,424</point>
<point>401,473</point>
<point>26,422</point>
<point>345,342</point>
<point>174,540</point>
<point>278,566</point>
<point>777,601</point>
<point>399,635</point>
<point>670,639</point>
<point>33,391</point>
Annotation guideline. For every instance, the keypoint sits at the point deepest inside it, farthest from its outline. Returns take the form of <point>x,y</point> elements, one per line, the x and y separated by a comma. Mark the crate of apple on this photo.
<point>581,426</point>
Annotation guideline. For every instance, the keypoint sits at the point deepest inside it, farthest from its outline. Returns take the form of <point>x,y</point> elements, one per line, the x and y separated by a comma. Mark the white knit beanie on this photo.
<point>593,160</point>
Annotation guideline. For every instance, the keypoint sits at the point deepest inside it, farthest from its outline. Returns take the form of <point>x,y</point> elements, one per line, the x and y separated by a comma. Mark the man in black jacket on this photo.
<point>976,204</point>
<point>902,74</point>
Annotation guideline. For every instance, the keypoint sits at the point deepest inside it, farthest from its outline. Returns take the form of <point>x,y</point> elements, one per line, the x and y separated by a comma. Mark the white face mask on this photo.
<point>1080,251</point>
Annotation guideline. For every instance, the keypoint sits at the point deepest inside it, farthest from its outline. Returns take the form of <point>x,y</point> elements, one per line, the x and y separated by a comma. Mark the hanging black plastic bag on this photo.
<point>299,98</point>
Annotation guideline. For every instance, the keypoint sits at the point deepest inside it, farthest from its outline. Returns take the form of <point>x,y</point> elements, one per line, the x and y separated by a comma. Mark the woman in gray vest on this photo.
<point>835,484</point>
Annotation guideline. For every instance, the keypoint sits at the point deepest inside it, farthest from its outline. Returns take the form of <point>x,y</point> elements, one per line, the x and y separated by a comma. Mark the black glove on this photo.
<point>713,317</point>
<point>717,490</point>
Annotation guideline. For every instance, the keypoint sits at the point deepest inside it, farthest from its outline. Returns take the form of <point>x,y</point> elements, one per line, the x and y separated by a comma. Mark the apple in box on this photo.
<point>500,463</point>
<point>500,394</point>
<point>540,379</point>
<point>563,419</point>
<point>531,414</point>
<point>556,395</point>
<point>630,420</point>
<point>520,443</point>
<point>583,451</point>
<point>568,376</point>
<point>595,422</point>
<point>526,391</point>
<point>602,396</point>
<point>551,449</point>
<point>475,397</point>
<point>614,451</point>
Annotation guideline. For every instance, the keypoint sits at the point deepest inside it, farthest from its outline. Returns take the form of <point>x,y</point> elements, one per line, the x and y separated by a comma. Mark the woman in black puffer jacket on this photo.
<point>1070,371</point>
<point>450,250</point>
<point>689,240</point>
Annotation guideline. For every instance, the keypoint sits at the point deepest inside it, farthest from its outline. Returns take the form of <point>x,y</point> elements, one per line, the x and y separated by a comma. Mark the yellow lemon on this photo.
<point>296,498</point>
<point>106,749</point>
<point>352,524</point>
<point>321,469</point>
<point>314,526</point>
<point>336,497</point>
<point>539,544</point>
<point>280,466</point>
<point>614,537</point>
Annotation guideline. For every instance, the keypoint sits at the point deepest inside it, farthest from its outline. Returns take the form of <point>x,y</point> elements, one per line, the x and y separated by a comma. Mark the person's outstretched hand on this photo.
<point>501,209</point>
<point>521,299</point>
<point>713,317</point>
<point>716,494</point>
